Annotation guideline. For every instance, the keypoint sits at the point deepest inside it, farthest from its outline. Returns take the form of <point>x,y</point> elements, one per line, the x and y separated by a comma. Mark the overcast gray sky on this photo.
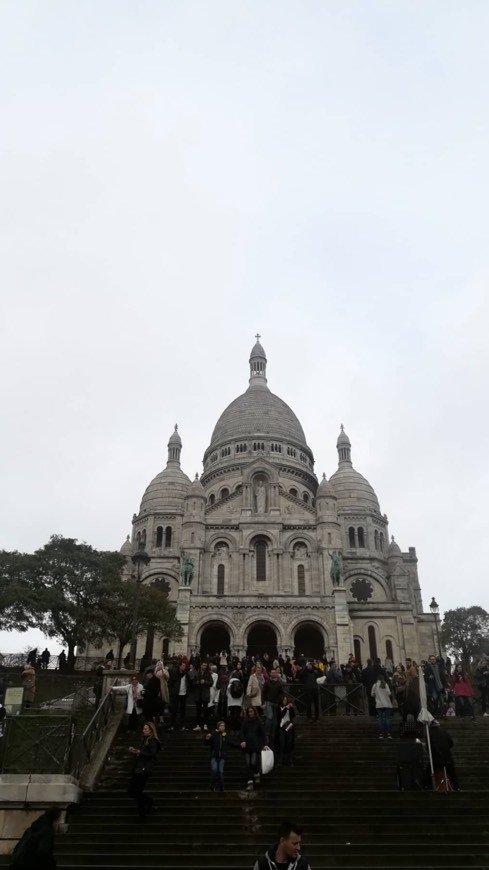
<point>175,177</point>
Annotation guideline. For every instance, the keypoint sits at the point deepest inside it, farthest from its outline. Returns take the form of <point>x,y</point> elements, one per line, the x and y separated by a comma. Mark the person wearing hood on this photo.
<point>28,677</point>
<point>286,853</point>
<point>35,849</point>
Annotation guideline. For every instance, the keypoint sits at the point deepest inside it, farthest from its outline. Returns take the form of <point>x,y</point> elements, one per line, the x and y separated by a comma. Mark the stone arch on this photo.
<point>217,536</point>
<point>262,637</point>
<point>197,629</point>
<point>309,639</point>
<point>270,536</point>
<point>256,618</point>
<point>374,578</point>
<point>214,637</point>
<point>297,537</point>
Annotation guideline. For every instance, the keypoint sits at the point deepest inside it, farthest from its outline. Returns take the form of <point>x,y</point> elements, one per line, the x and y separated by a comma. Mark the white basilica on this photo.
<point>246,551</point>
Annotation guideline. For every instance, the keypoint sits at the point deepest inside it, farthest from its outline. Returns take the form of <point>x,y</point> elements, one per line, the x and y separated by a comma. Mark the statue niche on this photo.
<point>260,495</point>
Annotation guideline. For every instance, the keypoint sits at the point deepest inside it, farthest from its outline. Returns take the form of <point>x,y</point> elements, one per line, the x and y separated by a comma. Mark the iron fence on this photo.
<point>83,745</point>
<point>36,744</point>
<point>332,699</point>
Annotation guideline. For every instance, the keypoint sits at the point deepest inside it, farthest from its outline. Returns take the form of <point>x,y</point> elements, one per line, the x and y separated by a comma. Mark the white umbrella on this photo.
<point>426,719</point>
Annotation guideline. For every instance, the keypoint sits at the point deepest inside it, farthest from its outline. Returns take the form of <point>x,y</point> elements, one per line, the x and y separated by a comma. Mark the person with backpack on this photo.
<point>35,849</point>
<point>235,697</point>
<point>144,758</point>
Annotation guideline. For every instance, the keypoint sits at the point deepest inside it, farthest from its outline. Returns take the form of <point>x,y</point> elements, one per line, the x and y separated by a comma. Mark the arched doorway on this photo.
<point>215,638</point>
<point>262,638</point>
<point>308,641</point>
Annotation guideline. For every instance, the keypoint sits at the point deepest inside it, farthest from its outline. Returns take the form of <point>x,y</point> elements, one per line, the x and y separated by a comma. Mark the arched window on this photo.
<point>376,539</point>
<point>351,536</point>
<point>220,579</point>
<point>168,536</point>
<point>381,541</point>
<point>357,649</point>
<point>224,492</point>
<point>301,580</point>
<point>388,650</point>
<point>372,643</point>
<point>329,539</point>
<point>238,488</point>
<point>261,560</point>
<point>361,536</point>
<point>305,498</point>
<point>293,492</point>
<point>212,498</point>
<point>159,536</point>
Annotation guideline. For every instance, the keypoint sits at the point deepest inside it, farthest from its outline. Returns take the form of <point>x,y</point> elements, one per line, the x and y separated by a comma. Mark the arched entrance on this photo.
<point>215,638</point>
<point>308,641</point>
<point>262,638</point>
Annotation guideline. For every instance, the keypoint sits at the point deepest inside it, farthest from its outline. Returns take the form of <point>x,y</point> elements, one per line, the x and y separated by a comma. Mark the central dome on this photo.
<point>258,412</point>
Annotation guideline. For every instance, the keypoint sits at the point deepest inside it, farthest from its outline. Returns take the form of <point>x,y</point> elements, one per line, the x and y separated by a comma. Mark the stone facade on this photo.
<point>261,531</point>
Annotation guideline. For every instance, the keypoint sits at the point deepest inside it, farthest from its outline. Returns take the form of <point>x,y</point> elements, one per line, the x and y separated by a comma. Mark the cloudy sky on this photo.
<point>175,177</point>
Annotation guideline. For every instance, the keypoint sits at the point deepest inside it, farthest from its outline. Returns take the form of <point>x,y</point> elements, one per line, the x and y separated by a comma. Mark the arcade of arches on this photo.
<point>308,640</point>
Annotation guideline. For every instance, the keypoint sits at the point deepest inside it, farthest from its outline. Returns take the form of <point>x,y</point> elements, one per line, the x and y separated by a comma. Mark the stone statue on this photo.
<point>186,570</point>
<point>261,497</point>
<point>336,569</point>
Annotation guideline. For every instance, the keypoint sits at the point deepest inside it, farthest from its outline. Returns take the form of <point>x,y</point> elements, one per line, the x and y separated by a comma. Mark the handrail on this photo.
<point>330,696</point>
<point>82,745</point>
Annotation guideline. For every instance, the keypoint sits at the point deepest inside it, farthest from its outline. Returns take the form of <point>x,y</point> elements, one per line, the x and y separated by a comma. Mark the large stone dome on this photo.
<point>258,412</point>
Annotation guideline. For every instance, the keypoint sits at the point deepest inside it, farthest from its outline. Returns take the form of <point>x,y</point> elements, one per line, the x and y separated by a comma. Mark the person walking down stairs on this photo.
<point>253,739</point>
<point>383,707</point>
<point>218,746</point>
<point>286,853</point>
<point>144,759</point>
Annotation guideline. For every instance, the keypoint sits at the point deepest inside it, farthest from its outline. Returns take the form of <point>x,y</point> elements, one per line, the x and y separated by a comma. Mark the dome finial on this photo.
<point>174,447</point>
<point>258,364</point>
<point>343,445</point>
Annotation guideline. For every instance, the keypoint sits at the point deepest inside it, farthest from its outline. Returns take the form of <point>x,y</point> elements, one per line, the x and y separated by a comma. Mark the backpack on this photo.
<point>236,689</point>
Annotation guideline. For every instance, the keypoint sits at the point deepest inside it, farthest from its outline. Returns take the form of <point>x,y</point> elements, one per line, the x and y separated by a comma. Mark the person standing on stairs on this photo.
<point>253,739</point>
<point>144,759</point>
<point>218,746</point>
<point>202,694</point>
<point>286,853</point>
<point>383,705</point>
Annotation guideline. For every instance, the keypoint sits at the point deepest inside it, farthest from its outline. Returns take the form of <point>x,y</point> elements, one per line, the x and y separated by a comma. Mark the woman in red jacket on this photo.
<point>461,687</point>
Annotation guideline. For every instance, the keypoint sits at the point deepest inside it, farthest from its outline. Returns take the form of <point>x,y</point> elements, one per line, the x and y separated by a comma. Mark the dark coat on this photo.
<point>253,734</point>
<point>268,861</point>
<point>148,751</point>
<point>34,851</point>
<point>174,682</point>
<point>308,677</point>
<point>202,686</point>
<point>441,744</point>
<point>218,744</point>
<point>272,691</point>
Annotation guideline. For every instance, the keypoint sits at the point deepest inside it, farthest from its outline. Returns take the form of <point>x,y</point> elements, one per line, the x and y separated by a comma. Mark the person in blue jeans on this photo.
<point>383,707</point>
<point>218,746</point>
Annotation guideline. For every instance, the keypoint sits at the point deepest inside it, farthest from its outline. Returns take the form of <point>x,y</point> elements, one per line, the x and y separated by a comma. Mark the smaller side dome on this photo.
<point>196,489</point>
<point>394,551</point>
<point>126,548</point>
<point>325,490</point>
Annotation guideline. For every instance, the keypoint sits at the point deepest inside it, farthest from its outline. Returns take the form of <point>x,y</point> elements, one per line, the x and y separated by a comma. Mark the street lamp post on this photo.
<point>140,559</point>
<point>435,611</point>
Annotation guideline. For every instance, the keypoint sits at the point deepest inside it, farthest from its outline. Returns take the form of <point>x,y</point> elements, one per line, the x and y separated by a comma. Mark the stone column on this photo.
<point>183,616</point>
<point>344,637</point>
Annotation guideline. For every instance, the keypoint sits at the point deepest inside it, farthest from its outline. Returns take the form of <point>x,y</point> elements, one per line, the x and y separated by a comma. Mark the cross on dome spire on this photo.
<point>258,364</point>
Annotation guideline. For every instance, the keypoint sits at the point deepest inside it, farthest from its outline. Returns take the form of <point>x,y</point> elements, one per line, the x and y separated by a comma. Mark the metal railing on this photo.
<point>83,745</point>
<point>333,699</point>
<point>36,744</point>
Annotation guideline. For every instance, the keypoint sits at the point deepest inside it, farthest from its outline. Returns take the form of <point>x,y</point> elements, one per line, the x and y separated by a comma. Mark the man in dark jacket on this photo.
<point>441,751</point>
<point>308,676</point>
<point>286,854</point>
<point>179,686</point>
<point>202,694</point>
<point>271,696</point>
<point>34,851</point>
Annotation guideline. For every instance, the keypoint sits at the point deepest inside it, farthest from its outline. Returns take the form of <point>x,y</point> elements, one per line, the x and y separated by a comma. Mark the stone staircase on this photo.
<point>342,790</point>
